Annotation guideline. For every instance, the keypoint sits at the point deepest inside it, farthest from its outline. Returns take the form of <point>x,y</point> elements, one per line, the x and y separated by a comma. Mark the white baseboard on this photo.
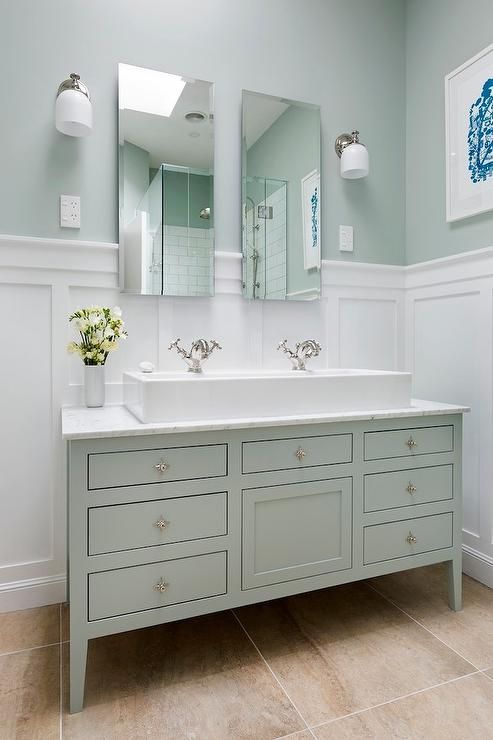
<point>477,565</point>
<point>31,593</point>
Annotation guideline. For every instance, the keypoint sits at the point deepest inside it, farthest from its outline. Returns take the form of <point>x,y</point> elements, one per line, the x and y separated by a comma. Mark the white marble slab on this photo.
<point>116,421</point>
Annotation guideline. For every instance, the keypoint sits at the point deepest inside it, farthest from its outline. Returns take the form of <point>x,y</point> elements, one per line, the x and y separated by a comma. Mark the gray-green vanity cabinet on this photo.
<point>168,526</point>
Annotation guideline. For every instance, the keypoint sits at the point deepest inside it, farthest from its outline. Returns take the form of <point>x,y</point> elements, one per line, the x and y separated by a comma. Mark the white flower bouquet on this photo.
<point>100,330</point>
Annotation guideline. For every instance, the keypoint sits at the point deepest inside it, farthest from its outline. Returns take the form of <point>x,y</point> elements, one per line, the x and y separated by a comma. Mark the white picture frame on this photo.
<point>469,137</point>
<point>310,207</point>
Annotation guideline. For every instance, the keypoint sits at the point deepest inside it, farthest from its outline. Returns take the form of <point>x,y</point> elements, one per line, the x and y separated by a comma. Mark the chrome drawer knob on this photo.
<point>300,453</point>
<point>162,467</point>
<point>411,539</point>
<point>161,586</point>
<point>161,524</point>
<point>411,443</point>
<point>411,488</point>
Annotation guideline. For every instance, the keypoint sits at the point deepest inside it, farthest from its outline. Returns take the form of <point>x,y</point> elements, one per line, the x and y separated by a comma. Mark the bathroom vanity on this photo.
<point>168,521</point>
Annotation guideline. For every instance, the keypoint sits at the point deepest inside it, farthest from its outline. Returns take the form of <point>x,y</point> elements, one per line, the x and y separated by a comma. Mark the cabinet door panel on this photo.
<point>295,531</point>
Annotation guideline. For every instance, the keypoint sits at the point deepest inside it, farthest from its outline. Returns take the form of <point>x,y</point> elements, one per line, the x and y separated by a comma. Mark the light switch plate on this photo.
<point>345,238</point>
<point>70,211</point>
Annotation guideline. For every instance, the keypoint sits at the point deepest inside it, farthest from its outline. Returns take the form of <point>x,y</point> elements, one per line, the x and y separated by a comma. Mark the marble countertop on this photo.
<point>116,421</point>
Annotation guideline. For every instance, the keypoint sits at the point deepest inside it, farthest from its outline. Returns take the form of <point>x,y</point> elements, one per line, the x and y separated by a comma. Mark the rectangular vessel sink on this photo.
<point>175,397</point>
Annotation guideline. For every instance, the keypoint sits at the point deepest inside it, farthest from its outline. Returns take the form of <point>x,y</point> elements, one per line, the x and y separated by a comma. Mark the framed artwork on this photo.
<point>310,204</point>
<point>469,137</point>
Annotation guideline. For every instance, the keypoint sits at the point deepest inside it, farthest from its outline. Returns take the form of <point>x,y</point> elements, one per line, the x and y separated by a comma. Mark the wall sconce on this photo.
<point>73,110</point>
<point>354,158</point>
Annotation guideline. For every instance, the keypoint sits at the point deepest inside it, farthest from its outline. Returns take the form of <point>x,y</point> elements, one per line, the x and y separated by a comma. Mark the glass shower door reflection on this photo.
<point>265,238</point>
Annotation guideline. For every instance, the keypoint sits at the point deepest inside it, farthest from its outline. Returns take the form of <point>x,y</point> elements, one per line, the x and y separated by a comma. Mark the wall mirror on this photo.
<point>166,153</point>
<point>280,198</point>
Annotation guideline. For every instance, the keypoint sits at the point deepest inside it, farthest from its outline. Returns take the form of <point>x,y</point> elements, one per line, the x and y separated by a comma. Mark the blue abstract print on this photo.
<point>314,203</point>
<point>480,136</point>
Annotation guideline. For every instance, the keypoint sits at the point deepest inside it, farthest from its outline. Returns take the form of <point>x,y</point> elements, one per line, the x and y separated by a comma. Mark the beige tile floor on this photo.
<point>383,659</point>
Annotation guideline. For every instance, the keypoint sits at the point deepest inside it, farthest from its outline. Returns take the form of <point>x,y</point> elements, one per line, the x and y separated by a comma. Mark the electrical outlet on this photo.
<point>70,211</point>
<point>345,238</point>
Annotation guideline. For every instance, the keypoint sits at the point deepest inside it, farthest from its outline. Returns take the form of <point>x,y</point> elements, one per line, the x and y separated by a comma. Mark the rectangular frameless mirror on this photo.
<point>166,153</point>
<point>280,198</point>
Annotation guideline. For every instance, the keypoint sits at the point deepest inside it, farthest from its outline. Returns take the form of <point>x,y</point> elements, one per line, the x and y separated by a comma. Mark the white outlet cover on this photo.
<point>70,211</point>
<point>345,238</point>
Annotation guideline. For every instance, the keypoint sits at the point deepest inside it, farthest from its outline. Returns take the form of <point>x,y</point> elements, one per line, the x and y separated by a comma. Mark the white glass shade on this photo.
<point>355,162</point>
<point>73,113</point>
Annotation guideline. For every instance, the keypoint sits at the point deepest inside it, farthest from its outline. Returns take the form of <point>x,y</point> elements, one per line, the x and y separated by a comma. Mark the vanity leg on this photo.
<point>455,584</point>
<point>78,660</point>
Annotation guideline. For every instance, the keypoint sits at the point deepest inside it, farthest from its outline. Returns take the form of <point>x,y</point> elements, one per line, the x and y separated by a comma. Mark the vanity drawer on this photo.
<point>404,442</point>
<point>127,590</point>
<point>408,487</point>
<point>408,537</point>
<point>296,531</point>
<point>298,452</point>
<point>130,468</point>
<point>128,526</point>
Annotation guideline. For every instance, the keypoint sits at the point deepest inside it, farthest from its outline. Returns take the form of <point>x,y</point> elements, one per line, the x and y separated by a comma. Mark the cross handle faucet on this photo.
<point>200,351</point>
<point>303,351</point>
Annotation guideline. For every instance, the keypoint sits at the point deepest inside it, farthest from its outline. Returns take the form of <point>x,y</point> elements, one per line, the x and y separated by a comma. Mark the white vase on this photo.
<point>94,385</point>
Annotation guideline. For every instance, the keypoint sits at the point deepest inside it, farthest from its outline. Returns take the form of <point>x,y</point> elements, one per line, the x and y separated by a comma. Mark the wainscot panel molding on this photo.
<point>449,350</point>
<point>366,313</point>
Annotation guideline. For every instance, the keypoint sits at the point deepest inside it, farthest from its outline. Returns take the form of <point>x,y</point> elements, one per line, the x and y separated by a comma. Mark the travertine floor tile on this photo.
<point>422,593</point>
<point>30,695</point>
<point>343,649</point>
<point>200,679</point>
<point>458,710</point>
<point>29,628</point>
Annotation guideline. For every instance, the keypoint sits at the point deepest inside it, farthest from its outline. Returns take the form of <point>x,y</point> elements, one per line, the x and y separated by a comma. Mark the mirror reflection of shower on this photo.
<point>177,233</point>
<point>254,256</point>
<point>264,238</point>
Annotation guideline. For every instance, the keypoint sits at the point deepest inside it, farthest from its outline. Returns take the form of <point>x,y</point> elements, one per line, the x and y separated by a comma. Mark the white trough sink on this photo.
<point>175,397</point>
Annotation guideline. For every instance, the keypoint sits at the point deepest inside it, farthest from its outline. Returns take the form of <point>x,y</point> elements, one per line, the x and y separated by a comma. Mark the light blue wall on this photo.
<point>441,35</point>
<point>135,163</point>
<point>289,150</point>
<point>346,55</point>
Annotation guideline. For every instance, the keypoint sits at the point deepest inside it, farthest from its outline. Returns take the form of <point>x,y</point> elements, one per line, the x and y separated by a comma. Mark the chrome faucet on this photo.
<point>303,351</point>
<point>200,350</point>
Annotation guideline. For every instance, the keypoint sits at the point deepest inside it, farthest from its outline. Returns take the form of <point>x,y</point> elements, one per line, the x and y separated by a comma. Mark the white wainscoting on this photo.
<point>449,350</point>
<point>359,321</point>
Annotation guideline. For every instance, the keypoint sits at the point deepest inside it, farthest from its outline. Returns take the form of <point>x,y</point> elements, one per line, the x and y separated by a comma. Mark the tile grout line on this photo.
<point>26,650</point>
<point>486,674</point>
<point>307,727</point>
<point>423,626</point>
<point>397,699</point>
<point>60,673</point>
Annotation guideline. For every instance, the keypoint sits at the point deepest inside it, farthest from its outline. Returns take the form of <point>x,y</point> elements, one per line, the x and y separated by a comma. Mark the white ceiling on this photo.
<point>168,139</point>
